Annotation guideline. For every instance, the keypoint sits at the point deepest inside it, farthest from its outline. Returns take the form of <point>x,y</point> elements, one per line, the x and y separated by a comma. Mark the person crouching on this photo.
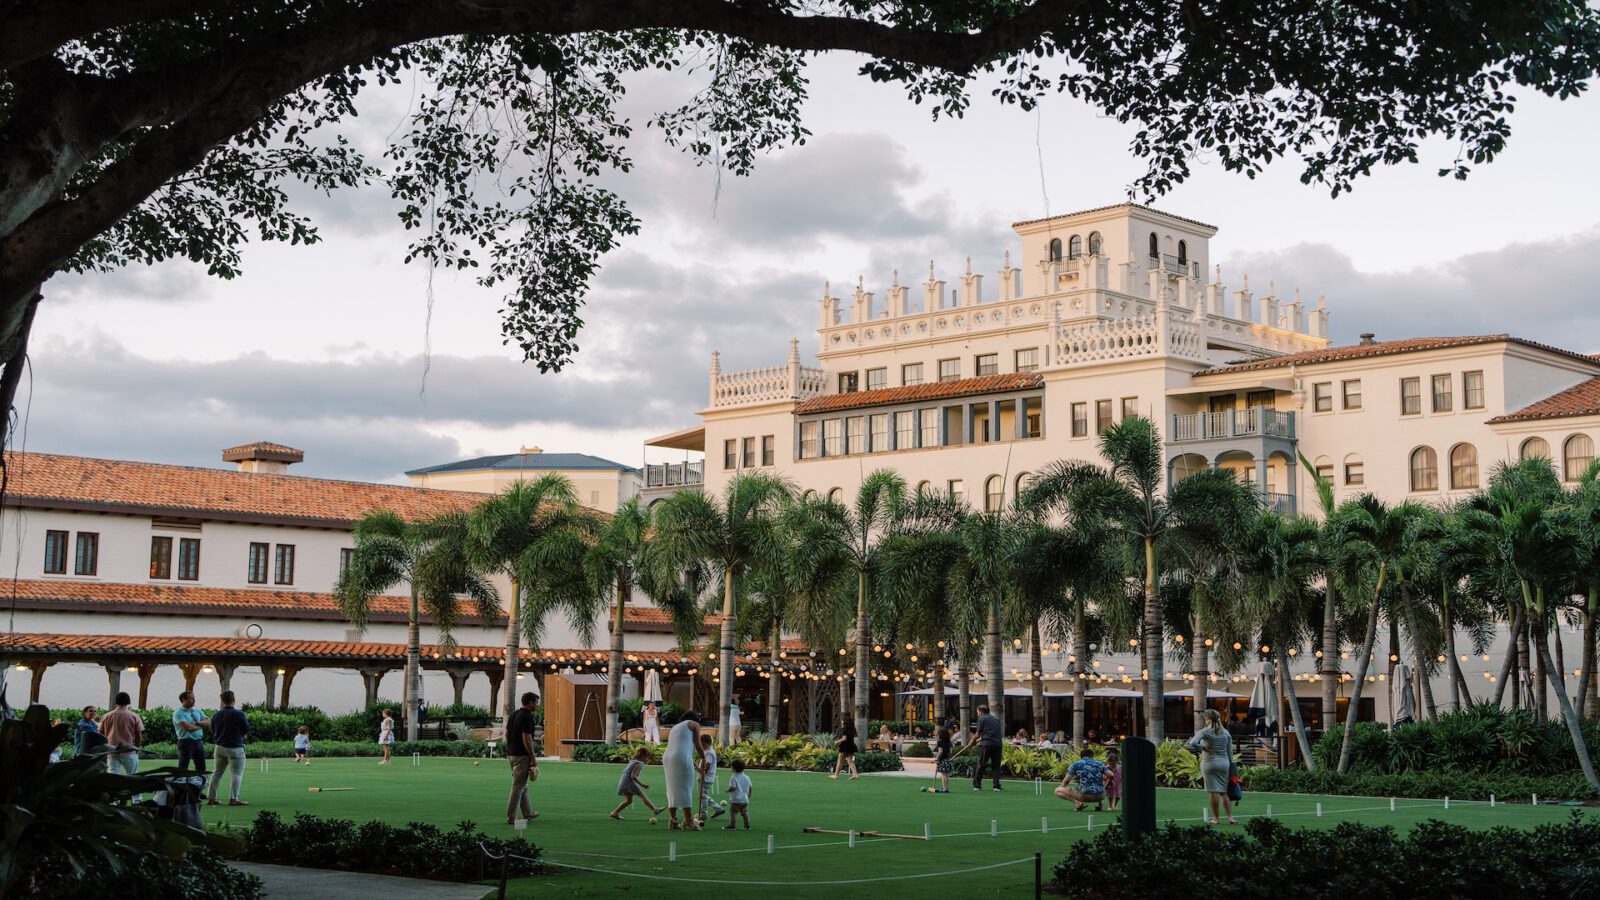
<point>1090,775</point>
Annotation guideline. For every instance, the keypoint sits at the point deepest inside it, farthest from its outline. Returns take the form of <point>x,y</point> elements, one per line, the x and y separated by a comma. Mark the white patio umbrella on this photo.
<point>652,686</point>
<point>1405,705</point>
<point>1212,694</point>
<point>1261,705</point>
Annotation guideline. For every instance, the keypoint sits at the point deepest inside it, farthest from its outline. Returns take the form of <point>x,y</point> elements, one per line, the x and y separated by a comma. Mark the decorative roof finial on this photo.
<point>827,289</point>
<point>930,270</point>
<point>1008,259</point>
<point>896,278</point>
<point>861,282</point>
<point>794,349</point>
<point>1219,273</point>
<point>969,265</point>
<point>1247,281</point>
<point>1322,301</point>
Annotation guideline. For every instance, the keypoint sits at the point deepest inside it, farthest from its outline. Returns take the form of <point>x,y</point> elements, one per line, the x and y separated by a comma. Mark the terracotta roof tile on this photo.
<point>94,596</point>
<point>1582,399</point>
<point>1384,348</point>
<point>53,480</point>
<point>268,448</point>
<point>938,390</point>
<point>650,618</point>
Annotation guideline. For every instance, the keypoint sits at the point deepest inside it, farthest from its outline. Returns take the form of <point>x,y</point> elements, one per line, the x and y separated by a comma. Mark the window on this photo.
<point>1155,246</point>
<point>1352,393</point>
<point>994,493</point>
<point>949,369</point>
<point>832,437</point>
<point>878,432</point>
<point>1441,393</point>
<point>256,573</point>
<point>987,364</point>
<point>836,495</point>
<point>982,424</point>
<point>1355,473</point>
<point>1322,396</point>
<point>769,449</point>
<point>1325,472</point>
<point>1424,469</point>
<point>930,427</point>
<point>1080,420</point>
<point>749,454</point>
<point>1033,417</point>
<point>1183,253</point>
<point>809,495</point>
<point>877,379</point>
<point>1130,407</point>
<point>911,374</point>
<point>1074,247</point>
<point>1472,390</point>
<point>1263,399</point>
<point>283,572</point>
<point>958,490</point>
<point>905,430</point>
<point>346,556</point>
<point>1410,396</point>
<point>1055,249</point>
<point>1094,243</point>
<point>924,487</point>
<point>161,557</point>
<point>1028,360</point>
<point>1579,454</point>
<point>808,440</point>
<point>86,560</point>
<point>1463,467</point>
<point>855,435</point>
<point>189,559</point>
<point>1534,448</point>
<point>1102,415</point>
<point>55,552</point>
<point>849,382</point>
<point>730,454</point>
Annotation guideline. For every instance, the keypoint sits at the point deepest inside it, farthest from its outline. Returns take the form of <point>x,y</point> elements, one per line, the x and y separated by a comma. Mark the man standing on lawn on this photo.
<point>229,727</point>
<point>189,727</point>
<point>124,731</point>
<point>990,737</point>
<point>523,757</point>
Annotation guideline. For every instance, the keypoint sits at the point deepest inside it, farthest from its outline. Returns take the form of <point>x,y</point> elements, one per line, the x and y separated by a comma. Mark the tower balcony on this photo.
<point>1257,443</point>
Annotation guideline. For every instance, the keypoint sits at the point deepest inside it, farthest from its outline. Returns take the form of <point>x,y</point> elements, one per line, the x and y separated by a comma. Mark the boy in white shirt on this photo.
<point>708,781</point>
<point>739,796</point>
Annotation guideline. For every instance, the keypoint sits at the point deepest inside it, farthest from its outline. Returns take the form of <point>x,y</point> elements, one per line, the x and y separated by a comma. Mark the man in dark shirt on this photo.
<point>229,727</point>
<point>524,760</point>
<point>990,736</point>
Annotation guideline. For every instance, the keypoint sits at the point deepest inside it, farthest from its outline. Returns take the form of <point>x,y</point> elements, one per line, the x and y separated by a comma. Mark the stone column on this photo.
<point>191,672</point>
<point>269,674</point>
<point>371,679</point>
<point>1261,477</point>
<point>146,672</point>
<point>225,676</point>
<point>113,682</point>
<point>37,668</point>
<point>458,681</point>
<point>288,679</point>
<point>496,678</point>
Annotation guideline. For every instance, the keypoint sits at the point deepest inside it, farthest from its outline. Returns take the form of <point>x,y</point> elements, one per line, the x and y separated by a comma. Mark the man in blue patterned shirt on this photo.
<point>1090,775</point>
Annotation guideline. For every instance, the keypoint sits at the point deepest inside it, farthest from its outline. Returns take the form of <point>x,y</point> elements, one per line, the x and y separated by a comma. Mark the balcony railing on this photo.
<point>1254,421</point>
<point>1173,265</point>
<point>674,474</point>
<point>1282,504</point>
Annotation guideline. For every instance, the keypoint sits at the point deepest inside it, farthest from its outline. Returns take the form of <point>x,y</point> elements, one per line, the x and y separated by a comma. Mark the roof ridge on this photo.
<point>1388,348</point>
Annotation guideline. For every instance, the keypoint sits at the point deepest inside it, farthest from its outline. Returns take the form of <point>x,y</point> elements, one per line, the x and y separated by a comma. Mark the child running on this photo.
<point>302,745</point>
<point>738,796</point>
<point>1113,779</point>
<point>630,786</point>
<point>708,781</point>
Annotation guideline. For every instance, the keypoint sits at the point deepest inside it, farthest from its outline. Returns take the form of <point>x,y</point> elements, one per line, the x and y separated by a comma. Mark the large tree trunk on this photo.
<point>1330,656</point>
<point>775,679</point>
<point>1449,626</point>
<point>938,692</point>
<point>1508,668</point>
<point>1080,681</point>
<point>413,673</point>
<point>964,696</point>
<point>1361,672</point>
<point>509,703</point>
<point>1523,683</point>
<point>1568,714</point>
<point>1286,678</point>
<point>730,630</point>
<point>1560,652</point>
<point>1036,663</point>
<point>1419,677</point>
<point>843,710</point>
<point>993,670</point>
<point>1200,665</point>
<point>1588,693</point>
<point>1155,695</point>
<point>614,674</point>
<point>1541,693</point>
<point>863,659</point>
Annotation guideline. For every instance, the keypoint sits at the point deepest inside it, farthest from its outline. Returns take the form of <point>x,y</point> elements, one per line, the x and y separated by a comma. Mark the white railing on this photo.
<point>674,474</point>
<point>1107,339</point>
<point>990,315</point>
<point>1282,504</point>
<point>1254,421</point>
<point>790,382</point>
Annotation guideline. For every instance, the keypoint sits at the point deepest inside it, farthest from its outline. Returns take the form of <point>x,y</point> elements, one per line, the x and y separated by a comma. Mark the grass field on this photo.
<point>573,799</point>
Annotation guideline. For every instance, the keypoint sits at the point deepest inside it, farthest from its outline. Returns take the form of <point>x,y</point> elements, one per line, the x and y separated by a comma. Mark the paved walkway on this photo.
<point>295,883</point>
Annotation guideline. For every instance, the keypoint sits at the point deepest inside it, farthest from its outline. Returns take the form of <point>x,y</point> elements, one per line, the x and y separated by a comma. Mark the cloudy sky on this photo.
<point>322,347</point>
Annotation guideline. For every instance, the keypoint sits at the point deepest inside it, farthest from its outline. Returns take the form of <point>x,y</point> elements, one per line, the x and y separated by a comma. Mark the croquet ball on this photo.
<point>477,763</point>
<point>652,820</point>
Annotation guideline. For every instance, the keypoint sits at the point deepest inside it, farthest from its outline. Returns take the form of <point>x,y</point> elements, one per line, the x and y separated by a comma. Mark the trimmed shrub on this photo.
<point>1480,739</point>
<point>150,876</point>
<point>337,749</point>
<point>866,761</point>
<point>414,850</point>
<point>795,753</point>
<point>1424,785</point>
<point>918,750</point>
<point>901,727</point>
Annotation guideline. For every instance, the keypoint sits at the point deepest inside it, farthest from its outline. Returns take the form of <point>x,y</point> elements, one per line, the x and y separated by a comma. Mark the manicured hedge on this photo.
<point>414,850</point>
<point>281,724</point>
<point>1269,859</point>
<point>1481,739</point>
<point>336,749</point>
<point>810,759</point>
<point>866,761</point>
<point>1426,785</point>
<point>900,727</point>
<point>148,876</point>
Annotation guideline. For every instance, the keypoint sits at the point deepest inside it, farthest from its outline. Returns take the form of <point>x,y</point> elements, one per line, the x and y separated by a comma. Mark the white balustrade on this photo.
<point>767,384</point>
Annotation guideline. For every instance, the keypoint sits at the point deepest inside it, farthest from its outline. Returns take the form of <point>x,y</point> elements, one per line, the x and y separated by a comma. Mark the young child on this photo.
<point>941,763</point>
<point>302,745</point>
<point>708,781</point>
<point>1113,779</point>
<point>738,796</point>
<point>630,786</point>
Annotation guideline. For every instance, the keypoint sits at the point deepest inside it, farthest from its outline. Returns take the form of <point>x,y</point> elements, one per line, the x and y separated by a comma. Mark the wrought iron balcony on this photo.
<point>1254,421</point>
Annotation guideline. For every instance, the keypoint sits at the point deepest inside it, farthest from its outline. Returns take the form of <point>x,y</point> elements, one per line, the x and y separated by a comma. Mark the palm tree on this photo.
<point>390,550</point>
<point>1281,560</point>
<point>1329,663</point>
<point>980,578</point>
<point>735,533</point>
<point>499,535</point>
<point>1584,501</point>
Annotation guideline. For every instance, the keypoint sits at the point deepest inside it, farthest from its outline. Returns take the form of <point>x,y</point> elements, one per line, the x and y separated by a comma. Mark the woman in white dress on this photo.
<point>652,723</point>
<point>385,736</point>
<point>735,721</point>
<point>680,761</point>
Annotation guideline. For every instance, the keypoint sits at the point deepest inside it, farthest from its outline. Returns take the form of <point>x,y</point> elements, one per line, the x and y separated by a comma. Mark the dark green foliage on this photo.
<point>199,873</point>
<point>459,712</point>
<point>866,761</point>
<point>1426,784</point>
<point>415,850</point>
<point>1478,740</point>
<point>339,749</point>
<point>918,750</point>
<point>1269,859</point>
<point>901,727</point>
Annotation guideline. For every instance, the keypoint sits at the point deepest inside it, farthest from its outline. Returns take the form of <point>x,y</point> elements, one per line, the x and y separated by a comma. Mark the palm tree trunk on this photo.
<point>1361,671</point>
<point>964,689</point>
<point>1588,693</point>
<point>1080,683</point>
<point>863,659</point>
<point>1568,714</point>
<point>1450,649</point>
<point>844,703</point>
<point>413,674</point>
<point>1286,679</point>
<point>1418,677</point>
<point>730,626</point>
<point>508,704</point>
<point>1036,662</point>
<point>1200,665</point>
<point>1560,652</point>
<point>1330,656</point>
<point>614,666</point>
<point>993,670</point>
<point>775,679</point>
<point>938,693</point>
<point>1155,695</point>
<point>1508,673</point>
<point>1541,694</point>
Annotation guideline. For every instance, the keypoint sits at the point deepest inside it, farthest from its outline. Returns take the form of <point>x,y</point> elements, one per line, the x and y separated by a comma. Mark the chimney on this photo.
<point>531,451</point>
<point>263,457</point>
<point>1367,338</point>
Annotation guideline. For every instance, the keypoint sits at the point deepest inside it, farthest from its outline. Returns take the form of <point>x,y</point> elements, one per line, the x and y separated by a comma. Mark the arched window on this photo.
<point>836,495</point>
<point>1094,243</point>
<point>1183,253</point>
<point>1023,480</point>
<point>1424,469</point>
<point>1579,454</point>
<point>1534,448</point>
<point>1155,246</point>
<point>994,493</point>
<point>924,487</point>
<point>1463,467</point>
<point>1055,249</point>
<point>1075,247</point>
<point>809,495</point>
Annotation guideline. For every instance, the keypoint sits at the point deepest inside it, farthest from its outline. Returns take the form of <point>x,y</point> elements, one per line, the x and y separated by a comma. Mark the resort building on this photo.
<point>599,483</point>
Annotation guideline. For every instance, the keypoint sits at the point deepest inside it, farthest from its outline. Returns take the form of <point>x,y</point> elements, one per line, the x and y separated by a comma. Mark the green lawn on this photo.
<point>575,797</point>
